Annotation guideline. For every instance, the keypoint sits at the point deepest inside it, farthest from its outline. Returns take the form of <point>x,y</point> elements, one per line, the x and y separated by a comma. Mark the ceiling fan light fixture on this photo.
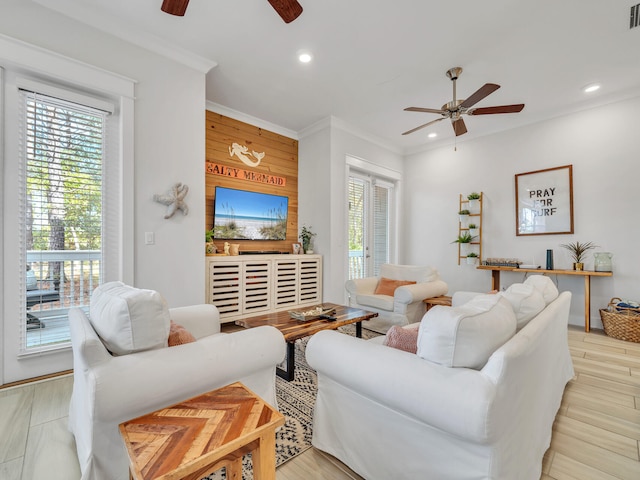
<point>591,88</point>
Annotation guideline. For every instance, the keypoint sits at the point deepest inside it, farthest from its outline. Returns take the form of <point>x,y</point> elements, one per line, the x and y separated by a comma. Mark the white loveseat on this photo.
<point>387,413</point>
<point>402,306</point>
<point>110,389</point>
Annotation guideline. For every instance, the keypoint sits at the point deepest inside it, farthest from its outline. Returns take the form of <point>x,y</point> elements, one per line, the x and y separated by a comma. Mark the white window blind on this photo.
<point>381,201</point>
<point>62,152</point>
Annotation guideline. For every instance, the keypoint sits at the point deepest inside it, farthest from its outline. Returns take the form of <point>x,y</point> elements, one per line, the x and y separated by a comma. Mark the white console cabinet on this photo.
<point>247,285</point>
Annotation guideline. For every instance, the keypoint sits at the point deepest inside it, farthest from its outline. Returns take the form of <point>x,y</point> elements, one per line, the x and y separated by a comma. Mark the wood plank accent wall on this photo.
<point>280,159</point>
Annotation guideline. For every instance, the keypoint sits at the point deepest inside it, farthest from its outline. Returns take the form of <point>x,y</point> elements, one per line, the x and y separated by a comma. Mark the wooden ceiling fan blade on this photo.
<point>425,110</point>
<point>459,127</point>
<point>289,10</point>
<point>422,126</point>
<point>499,109</point>
<point>484,91</point>
<point>175,7</point>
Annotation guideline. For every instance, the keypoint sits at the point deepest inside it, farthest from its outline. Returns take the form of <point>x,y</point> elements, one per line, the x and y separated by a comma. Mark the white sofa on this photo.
<point>110,389</point>
<point>387,413</point>
<point>405,305</point>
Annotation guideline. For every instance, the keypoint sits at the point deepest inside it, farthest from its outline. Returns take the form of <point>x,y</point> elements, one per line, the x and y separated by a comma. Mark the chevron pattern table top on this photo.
<point>196,437</point>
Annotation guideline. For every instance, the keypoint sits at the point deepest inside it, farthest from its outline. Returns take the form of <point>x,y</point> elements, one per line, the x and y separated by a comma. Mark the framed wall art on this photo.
<point>544,201</point>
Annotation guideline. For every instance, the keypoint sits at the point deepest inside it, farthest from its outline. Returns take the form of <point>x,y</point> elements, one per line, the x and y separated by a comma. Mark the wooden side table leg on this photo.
<point>234,469</point>
<point>587,303</point>
<point>264,457</point>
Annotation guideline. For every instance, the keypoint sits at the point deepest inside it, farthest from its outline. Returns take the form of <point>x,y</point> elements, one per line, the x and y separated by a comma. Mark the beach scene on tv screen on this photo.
<point>240,214</point>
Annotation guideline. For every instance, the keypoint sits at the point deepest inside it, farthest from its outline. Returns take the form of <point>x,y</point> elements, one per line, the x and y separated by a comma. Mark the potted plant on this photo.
<point>578,251</point>
<point>306,235</point>
<point>474,201</point>
<point>472,258</point>
<point>473,229</point>
<point>464,239</point>
<point>464,215</point>
<point>209,246</point>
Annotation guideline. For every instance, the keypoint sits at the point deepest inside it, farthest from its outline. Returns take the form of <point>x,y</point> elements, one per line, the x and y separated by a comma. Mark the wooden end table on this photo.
<point>194,438</point>
<point>441,300</point>
<point>293,329</point>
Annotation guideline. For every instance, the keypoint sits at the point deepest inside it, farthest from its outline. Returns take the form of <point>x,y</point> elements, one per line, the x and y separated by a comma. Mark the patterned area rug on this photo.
<point>296,400</point>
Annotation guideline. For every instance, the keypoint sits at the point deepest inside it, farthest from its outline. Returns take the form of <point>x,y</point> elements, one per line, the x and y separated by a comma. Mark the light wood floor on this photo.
<point>596,434</point>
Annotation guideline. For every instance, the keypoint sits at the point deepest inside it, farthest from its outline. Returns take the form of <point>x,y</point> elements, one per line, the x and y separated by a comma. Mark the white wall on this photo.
<point>322,192</point>
<point>600,143</point>
<point>168,136</point>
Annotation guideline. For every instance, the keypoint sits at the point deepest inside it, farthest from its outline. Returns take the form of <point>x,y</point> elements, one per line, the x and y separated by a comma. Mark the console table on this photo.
<point>587,274</point>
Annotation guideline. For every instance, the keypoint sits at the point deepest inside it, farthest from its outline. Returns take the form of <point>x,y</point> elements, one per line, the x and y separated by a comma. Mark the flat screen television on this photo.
<point>244,215</point>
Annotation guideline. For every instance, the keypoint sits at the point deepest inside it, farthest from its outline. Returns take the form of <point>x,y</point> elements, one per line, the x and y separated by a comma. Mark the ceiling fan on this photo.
<point>458,107</point>
<point>289,10</point>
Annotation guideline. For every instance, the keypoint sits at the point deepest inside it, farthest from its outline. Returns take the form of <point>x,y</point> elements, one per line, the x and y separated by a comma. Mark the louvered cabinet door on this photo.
<point>286,281</point>
<point>224,288</point>
<point>309,281</point>
<point>256,288</point>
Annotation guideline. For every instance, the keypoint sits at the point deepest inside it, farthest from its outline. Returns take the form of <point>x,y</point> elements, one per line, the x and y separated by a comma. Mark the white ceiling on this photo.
<point>372,58</point>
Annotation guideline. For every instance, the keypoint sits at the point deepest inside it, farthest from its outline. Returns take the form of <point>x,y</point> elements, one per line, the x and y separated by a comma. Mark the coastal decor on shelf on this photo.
<point>306,235</point>
<point>544,201</point>
<point>602,262</point>
<point>209,247</point>
<point>578,251</point>
<point>174,200</point>
<point>295,247</point>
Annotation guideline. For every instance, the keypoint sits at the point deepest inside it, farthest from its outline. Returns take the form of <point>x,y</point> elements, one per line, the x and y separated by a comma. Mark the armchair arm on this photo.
<point>199,320</point>
<point>417,292</point>
<point>361,286</point>
<point>456,400</point>
<point>131,385</point>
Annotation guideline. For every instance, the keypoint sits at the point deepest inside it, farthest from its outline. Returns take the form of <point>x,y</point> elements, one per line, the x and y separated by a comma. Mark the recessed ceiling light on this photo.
<point>432,135</point>
<point>305,57</point>
<point>591,88</point>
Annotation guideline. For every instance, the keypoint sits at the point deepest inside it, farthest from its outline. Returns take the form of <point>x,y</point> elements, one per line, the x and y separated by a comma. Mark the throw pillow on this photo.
<point>178,335</point>
<point>527,302</point>
<point>129,319</point>
<point>387,286</point>
<point>466,335</point>
<point>402,338</point>
<point>545,286</point>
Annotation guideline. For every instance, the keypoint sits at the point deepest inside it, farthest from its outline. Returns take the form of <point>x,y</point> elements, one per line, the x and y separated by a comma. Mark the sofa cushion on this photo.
<point>178,335</point>
<point>467,335</point>
<point>526,301</point>
<point>387,286</point>
<point>419,274</point>
<point>129,319</point>
<point>545,286</point>
<point>403,338</point>
<point>382,302</point>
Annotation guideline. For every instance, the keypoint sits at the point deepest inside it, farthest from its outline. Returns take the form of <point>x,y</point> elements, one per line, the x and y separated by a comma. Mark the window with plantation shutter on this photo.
<point>62,146</point>
<point>370,200</point>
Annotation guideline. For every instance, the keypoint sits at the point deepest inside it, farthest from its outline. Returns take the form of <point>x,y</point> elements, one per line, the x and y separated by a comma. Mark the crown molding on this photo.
<point>125,31</point>
<point>251,120</point>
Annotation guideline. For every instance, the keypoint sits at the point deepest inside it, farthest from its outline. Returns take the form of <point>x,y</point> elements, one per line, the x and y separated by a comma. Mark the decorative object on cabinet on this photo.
<point>466,238</point>
<point>544,201</point>
<point>249,285</point>
<point>209,247</point>
<point>296,248</point>
<point>306,235</point>
<point>578,251</point>
<point>174,200</point>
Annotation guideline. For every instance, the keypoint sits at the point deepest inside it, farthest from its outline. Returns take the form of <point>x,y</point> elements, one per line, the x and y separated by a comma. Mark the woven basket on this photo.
<point>622,323</point>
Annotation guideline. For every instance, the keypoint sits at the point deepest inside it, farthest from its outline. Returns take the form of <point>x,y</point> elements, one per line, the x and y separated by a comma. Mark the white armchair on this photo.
<point>110,389</point>
<point>401,306</point>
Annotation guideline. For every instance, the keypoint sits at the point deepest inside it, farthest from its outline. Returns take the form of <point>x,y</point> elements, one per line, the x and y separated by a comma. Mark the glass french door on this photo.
<point>370,200</point>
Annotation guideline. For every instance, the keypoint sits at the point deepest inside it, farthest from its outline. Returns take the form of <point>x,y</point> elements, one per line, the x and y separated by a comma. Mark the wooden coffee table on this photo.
<point>293,329</point>
<point>191,439</point>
